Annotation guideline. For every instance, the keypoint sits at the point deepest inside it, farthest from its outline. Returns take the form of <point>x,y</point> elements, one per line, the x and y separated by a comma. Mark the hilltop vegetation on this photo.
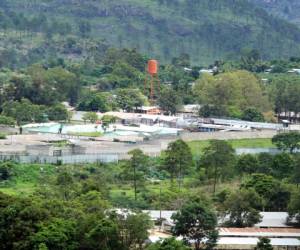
<point>287,9</point>
<point>207,30</point>
<point>115,81</point>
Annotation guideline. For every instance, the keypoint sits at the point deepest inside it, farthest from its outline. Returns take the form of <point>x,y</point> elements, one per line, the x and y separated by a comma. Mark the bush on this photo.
<point>90,116</point>
<point>2,136</point>
<point>5,120</point>
<point>252,115</point>
<point>6,170</point>
<point>58,112</point>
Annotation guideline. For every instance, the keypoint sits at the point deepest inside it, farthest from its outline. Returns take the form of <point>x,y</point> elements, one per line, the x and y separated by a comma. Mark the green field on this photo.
<point>27,177</point>
<point>198,146</point>
<point>88,134</point>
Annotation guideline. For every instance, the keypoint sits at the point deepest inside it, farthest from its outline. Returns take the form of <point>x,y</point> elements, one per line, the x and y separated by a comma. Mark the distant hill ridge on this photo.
<point>206,29</point>
<point>287,9</point>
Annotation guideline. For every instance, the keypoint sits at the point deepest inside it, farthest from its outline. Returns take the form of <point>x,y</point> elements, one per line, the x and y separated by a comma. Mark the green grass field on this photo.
<point>198,146</point>
<point>26,178</point>
<point>89,134</point>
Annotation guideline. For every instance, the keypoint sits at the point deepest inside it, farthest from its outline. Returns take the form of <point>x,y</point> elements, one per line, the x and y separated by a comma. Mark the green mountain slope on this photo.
<point>287,9</point>
<point>205,29</point>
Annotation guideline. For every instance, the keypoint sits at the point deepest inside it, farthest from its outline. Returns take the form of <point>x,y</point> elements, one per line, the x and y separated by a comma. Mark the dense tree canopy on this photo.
<point>234,92</point>
<point>287,141</point>
<point>242,208</point>
<point>196,222</point>
<point>168,244</point>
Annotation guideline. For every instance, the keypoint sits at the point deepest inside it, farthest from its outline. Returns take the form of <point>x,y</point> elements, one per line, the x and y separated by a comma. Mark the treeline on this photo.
<point>10,20</point>
<point>207,30</point>
<point>250,88</point>
<point>114,79</point>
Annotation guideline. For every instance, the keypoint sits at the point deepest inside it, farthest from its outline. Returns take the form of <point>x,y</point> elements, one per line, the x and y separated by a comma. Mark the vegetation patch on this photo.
<point>2,136</point>
<point>88,134</point>
<point>198,146</point>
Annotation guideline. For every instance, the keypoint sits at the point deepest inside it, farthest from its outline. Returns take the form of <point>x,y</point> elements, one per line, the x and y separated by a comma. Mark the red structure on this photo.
<point>152,70</point>
<point>152,67</point>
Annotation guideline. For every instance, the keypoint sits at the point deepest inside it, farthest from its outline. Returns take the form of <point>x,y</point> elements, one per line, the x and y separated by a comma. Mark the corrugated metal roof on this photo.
<point>253,241</point>
<point>273,219</point>
<point>259,125</point>
<point>269,219</point>
<point>258,232</point>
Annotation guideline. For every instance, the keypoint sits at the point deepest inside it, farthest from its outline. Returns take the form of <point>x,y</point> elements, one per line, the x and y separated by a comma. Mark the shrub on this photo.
<point>6,170</point>
<point>2,136</point>
<point>5,120</point>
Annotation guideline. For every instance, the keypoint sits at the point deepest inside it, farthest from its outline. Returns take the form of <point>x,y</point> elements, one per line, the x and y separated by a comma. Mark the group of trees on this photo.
<point>232,94</point>
<point>71,210</point>
<point>81,223</point>
<point>24,111</point>
<point>271,179</point>
<point>68,211</point>
<point>113,79</point>
<point>71,207</point>
<point>111,82</point>
<point>284,90</point>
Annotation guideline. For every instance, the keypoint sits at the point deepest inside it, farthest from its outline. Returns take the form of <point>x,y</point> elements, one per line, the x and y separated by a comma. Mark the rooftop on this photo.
<point>269,219</point>
<point>259,232</point>
<point>253,241</point>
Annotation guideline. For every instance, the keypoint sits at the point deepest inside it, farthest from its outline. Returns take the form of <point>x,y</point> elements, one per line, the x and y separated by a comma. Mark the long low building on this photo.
<point>272,226</point>
<point>249,243</point>
<point>246,124</point>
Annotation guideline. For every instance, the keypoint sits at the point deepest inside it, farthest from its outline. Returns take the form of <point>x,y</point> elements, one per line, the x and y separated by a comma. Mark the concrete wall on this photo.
<point>69,159</point>
<point>272,151</point>
<point>39,150</point>
<point>198,136</point>
<point>48,150</point>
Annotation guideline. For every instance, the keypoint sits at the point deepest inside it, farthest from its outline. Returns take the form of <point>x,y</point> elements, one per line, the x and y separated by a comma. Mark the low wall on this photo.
<point>253,151</point>
<point>67,159</point>
<point>200,136</point>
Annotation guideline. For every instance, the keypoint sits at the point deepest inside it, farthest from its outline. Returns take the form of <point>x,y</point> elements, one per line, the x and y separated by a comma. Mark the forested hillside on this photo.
<point>288,9</point>
<point>32,30</point>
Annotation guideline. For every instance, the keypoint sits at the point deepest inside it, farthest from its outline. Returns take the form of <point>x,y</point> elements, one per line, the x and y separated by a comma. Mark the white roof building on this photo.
<point>272,226</point>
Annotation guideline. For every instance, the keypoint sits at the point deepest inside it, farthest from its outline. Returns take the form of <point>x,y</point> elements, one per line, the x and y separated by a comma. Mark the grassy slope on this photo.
<point>206,29</point>
<point>26,178</point>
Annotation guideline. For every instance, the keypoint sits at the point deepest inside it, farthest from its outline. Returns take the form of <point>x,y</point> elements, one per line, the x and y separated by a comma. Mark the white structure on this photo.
<point>272,226</point>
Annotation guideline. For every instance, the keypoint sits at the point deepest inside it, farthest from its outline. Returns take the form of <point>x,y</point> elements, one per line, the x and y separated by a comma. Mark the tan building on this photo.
<point>148,110</point>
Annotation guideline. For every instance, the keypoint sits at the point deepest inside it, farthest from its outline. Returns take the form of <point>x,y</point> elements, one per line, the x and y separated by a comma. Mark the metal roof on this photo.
<point>258,125</point>
<point>254,240</point>
<point>259,232</point>
<point>269,219</point>
<point>273,219</point>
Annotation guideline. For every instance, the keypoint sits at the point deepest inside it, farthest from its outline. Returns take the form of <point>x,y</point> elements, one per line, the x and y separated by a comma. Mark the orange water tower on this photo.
<point>152,73</point>
<point>152,67</point>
